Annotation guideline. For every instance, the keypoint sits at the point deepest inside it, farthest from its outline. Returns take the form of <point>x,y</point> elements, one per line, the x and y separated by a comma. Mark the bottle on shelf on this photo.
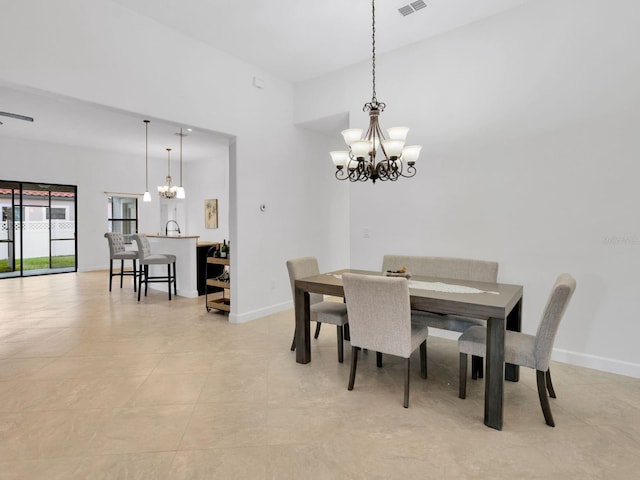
<point>224,250</point>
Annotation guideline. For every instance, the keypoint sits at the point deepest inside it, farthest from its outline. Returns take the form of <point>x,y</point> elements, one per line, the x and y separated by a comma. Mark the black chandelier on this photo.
<point>358,164</point>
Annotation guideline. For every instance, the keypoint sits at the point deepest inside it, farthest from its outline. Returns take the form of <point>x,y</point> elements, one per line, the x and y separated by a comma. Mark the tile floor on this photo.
<point>95,385</point>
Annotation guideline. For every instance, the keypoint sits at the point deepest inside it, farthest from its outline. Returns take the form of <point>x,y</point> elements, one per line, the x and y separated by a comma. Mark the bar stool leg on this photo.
<point>121,271</point>
<point>175,279</point>
<point>110,272</point>
<point>169,279</point>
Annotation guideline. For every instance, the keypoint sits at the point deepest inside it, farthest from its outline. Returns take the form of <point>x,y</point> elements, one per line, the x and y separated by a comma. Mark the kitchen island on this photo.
<point>184,247</point>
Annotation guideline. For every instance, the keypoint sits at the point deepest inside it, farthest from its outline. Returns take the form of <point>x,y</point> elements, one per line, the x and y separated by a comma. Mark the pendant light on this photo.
<point>167,190</point>
<point>180,191</point>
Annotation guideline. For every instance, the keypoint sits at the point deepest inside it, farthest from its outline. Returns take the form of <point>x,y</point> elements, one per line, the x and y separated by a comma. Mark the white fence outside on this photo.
<point>35,239</point>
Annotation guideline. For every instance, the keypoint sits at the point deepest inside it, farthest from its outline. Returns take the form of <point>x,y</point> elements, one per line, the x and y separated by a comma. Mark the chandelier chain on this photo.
<point>373,50</point>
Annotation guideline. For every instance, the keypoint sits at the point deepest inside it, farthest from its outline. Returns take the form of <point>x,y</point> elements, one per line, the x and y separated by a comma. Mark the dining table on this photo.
<point>499,303</point>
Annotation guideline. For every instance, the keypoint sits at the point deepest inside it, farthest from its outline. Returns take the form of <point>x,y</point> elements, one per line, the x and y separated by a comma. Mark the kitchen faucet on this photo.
<point>166,227</point>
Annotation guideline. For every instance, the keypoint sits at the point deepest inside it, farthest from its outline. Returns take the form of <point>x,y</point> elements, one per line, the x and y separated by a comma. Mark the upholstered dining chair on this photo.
<point>117,251</point>
<point>453,268</point>
<point>380,320</point>
<point>321,311</point>
<point>146,258</point>
<point>533,351</point>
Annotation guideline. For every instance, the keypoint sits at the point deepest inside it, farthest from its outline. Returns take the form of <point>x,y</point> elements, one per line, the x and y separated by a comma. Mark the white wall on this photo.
<point>203,180</point>
<point>529,122</point>
<point>102,53</point>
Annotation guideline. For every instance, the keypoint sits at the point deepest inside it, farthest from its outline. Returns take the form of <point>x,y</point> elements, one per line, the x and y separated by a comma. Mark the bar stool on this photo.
<point>146,258</point>
<point>117,251</point>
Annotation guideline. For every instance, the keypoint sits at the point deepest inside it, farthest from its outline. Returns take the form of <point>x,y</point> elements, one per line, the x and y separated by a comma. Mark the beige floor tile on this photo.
<point>221,463</point>
<point>169,389</point>
<point>141,466</point>
<point>97,385</point>
<point>141,429</point>
<point>215,425</point>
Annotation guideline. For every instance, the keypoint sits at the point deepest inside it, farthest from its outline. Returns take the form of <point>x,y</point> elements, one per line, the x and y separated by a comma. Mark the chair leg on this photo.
<point>552,392</point>
<point>340,344</point>
<point>354,365</point>
<point>477,367</point>
<point>347,332</point>
<point>110,272</point>
<point>379,359</point>
<point>121,271</point>
<point>406,382</point>
<point>293,342</point>
<point>462,382</point>
<point>544,400</point>
<point>423,359</point>
<point>318,325</point>
<point>146,279</point>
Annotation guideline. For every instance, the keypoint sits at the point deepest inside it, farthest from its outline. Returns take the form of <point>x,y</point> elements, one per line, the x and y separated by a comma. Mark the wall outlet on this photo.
<point>365,232</point>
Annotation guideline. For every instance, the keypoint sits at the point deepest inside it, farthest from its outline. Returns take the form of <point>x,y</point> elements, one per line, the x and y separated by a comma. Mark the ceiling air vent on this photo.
<point>411,7</point>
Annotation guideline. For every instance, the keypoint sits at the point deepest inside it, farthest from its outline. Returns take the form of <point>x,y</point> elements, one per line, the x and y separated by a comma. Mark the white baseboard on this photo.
<point>610,365</point>
<point>259,313</point>
<point>604,364</point>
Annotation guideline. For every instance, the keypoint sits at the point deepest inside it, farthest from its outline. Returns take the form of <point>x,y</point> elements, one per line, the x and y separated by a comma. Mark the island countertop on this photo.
<point>159,235</point>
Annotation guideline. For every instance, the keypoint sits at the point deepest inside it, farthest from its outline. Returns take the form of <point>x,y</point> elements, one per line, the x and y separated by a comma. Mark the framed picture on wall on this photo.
<point>211,213</point>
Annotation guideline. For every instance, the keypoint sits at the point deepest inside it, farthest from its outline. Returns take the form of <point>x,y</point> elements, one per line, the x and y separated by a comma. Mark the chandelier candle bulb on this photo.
<point>340,158</point>
<point>411,153</point>
<point>393,148</point>
<point>352,135</point>
<point>398,133</point>
<point>361,148</point>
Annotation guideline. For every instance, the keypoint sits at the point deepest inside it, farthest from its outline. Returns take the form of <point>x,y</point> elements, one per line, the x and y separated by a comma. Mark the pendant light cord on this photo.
<point>146,153</point>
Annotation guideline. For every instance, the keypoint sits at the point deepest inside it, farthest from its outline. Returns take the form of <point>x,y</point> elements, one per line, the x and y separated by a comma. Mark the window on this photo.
<point>122,213</point>
<point>56,213</point>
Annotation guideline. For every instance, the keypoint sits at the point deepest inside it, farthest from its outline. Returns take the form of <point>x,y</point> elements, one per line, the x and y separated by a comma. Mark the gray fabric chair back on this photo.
<point>116,243</point>
<point>554,310</point>
<point>301,268</point>
<point>144,248</point>
<point>379,312</point>
<point>445,267</point>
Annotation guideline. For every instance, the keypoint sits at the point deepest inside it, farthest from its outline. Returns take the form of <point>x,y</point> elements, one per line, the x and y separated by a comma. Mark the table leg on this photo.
<point>514,323</point>
<point>494,383</point>
<point>303,327</point>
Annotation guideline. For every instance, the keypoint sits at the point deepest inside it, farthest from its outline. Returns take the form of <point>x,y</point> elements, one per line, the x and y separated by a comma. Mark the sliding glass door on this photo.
<point>38,229</point>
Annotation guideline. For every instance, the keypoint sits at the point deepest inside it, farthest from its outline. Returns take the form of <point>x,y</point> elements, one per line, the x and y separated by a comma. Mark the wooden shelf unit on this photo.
<point>223,303</point>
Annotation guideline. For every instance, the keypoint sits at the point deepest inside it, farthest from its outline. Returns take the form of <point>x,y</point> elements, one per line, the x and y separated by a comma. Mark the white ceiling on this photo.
<point>302,39</point>
<point>72,122</point>
<point>293,39</point>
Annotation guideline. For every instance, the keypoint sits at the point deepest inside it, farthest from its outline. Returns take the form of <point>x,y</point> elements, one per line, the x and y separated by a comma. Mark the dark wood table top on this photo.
<point>477,304</point>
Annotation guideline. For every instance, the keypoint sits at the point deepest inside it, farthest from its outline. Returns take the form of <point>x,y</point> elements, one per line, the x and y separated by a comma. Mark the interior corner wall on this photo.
<point>103,53</point>
<point>528,122</point>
